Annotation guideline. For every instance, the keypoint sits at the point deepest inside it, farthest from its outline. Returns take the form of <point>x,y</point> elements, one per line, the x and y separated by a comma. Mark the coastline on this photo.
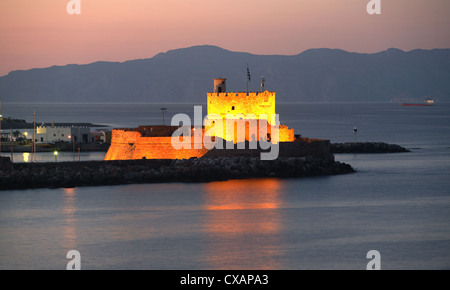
<point>62,147</point>
<point>347,147</point>
<point>204,169</point>
<point>104,173</point>
<point>367,147</point>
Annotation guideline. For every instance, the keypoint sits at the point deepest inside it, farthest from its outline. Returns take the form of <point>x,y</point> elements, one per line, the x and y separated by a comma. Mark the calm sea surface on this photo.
<point>398,204</point>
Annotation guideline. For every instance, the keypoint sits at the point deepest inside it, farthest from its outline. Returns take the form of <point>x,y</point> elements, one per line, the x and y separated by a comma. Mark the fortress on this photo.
<point>247,107</point>
<point>256,110</point>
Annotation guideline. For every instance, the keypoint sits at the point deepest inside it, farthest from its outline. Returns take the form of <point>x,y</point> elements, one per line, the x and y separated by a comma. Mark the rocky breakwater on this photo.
<point>367,147</point>
<point>96,173</point>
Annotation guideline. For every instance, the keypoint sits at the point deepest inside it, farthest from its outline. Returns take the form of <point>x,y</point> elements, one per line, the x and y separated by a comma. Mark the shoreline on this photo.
<point>366,147</point>
<point>204,169</point>
<point>347,147</point>
<point>64,147</point>
<point>105,173</point>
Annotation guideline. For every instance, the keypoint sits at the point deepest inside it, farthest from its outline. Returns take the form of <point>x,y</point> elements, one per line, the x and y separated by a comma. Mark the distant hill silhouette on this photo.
<point>185,75</point>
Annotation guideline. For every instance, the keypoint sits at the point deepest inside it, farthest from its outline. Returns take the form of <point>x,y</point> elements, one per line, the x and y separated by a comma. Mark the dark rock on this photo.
<point>93,173</point>
<point>5,163</point>
<point>367,147</point>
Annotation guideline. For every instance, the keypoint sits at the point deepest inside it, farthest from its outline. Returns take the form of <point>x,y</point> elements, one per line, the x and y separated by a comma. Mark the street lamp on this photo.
<point>163,110</point>
<point>56,156</point>
<point>73,146</point>
<point>355,130</point>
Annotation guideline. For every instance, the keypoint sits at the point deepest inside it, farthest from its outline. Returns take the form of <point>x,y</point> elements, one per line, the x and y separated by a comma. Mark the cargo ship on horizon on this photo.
<point>426,103</point>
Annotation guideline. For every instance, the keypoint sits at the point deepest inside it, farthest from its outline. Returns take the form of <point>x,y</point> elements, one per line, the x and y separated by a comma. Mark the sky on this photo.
<point>41,33</point>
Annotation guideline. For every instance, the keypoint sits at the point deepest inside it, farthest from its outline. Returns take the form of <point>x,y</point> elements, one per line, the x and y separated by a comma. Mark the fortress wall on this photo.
<point>316,149</point>
<point>117,151</point>
<point>255,103</point>
<point>157,130</point>
<point>127,145</point>
<point>161,148</point>
<point>125,136</point>
<point>122,145</point>
<point>244,103</point>
<point>284,133</point>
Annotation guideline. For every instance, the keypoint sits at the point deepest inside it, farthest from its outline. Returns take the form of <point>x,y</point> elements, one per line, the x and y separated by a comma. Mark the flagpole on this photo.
<point>34,135</point>
<point>1,118</point>
<point>248,77</point>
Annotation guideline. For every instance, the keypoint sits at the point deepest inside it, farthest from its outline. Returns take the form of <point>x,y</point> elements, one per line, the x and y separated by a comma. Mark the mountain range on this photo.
<point>185,75</point>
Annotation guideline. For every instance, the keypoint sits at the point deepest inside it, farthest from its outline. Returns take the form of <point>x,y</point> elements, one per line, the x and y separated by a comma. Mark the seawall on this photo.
<point>101,173</point>
<point>367,147</point>
<point>142,143</point>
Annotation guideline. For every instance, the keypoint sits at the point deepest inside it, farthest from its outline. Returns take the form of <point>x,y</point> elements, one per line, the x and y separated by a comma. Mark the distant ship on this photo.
<point>428,102</point>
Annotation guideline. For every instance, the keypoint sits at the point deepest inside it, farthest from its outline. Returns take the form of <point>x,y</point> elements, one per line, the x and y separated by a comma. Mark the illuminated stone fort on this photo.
<point>246,107</point>
<point>254,109</point>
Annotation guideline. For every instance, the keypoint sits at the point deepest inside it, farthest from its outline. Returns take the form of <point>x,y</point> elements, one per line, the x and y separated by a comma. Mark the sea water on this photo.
<point>397,204</point>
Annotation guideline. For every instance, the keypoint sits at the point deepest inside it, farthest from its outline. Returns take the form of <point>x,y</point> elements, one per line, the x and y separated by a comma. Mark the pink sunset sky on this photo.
<point>40,33</point>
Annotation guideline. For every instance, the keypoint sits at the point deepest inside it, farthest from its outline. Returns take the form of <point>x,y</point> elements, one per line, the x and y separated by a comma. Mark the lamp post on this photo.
<point>355,130</point>
<point>73,146</point>
<point>56,156</point>
<point>34,135</point>
<point>163,110</point>
<point>12,145</point>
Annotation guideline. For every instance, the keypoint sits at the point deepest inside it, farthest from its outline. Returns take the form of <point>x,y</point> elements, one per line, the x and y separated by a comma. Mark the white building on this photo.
<point>52,134</point>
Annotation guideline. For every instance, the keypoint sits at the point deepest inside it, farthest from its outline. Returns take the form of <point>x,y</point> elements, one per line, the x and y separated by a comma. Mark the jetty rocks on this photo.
<point>97,173</point>
<point>367,147</point>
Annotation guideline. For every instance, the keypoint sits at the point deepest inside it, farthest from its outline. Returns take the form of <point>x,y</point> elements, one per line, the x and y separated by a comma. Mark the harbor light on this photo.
<point>56,156</point>
<point>26,157</point>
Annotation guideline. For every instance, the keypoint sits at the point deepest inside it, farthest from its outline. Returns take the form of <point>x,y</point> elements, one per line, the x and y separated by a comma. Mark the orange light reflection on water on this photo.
<point>243,223</point>
<point>69,211</point>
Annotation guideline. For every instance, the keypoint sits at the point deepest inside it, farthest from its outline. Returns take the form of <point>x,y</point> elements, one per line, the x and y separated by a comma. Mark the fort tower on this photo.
<point>244,106</point>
